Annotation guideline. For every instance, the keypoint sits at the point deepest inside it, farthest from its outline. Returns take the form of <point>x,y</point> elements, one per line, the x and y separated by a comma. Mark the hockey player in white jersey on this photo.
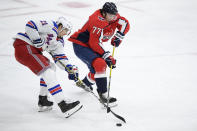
<point>47,36</point>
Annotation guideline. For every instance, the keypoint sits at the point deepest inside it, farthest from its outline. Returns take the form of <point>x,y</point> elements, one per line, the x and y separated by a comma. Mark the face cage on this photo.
<point>68,31</point>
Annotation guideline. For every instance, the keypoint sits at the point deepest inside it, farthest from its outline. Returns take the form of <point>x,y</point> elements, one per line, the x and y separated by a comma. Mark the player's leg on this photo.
<point>101,81</point>
<point>32,58</point>
<point>97,67</point>
<point>89,79</point>
<point>43,103</point>
<point>67,107</point>
<point>86,55</point>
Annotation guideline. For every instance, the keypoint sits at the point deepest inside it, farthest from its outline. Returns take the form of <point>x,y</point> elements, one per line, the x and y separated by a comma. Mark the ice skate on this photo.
<point>44,104</point>
<point>104,99</point>
<point>84,85</point>
<point>69,109</point>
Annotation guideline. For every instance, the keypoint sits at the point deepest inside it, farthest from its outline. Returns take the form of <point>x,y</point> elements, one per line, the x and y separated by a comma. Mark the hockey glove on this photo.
<point>72,72</point>
<point>117,39</point>
<point>109,60</point>
<point>38,43</point>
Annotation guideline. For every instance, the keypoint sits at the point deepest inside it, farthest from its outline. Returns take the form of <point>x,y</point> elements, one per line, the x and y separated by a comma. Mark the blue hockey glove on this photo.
<point>72,72</point>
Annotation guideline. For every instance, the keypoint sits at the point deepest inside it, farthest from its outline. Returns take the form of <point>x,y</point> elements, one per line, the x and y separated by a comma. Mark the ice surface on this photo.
<point>155,79</point>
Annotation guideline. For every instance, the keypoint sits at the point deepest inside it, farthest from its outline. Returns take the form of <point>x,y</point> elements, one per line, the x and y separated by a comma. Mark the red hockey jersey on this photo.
<point>97,30</point>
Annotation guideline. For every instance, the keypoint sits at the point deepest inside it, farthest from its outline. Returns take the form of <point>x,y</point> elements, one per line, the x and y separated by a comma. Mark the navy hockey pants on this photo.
<point>86,54</point>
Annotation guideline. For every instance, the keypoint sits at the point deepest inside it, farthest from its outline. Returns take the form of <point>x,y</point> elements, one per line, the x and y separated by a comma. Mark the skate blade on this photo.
<point>82,86</point>
<point>111,105</point>
<point>73,111</point>
<point>85,89</point>
<point>44,108</point>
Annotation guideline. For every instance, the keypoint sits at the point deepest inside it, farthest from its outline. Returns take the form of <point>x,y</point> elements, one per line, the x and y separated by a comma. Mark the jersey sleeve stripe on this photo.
<point>25,35</point>
<point>32,25</point>
<point>123,23</point>
<point>100,41</point>
<point>60,57</point>
<point>125,28</point>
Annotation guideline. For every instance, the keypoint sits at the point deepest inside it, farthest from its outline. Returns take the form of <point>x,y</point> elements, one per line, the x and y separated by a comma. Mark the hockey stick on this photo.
<point>108,109</point>
<point>79,82</point>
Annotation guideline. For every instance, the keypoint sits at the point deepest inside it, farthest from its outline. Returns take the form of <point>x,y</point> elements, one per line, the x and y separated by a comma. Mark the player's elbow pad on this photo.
<point>38,43</point>
<point>32,32</point>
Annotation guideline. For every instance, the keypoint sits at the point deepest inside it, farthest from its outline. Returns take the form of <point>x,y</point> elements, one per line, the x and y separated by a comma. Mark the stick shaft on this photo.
<point>110,80</point>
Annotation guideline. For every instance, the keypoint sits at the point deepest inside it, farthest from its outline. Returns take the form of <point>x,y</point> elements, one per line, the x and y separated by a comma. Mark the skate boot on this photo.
<point>85,84</point>
<point>104,99</point>
<point>44,104</point>
<point>69,109</point>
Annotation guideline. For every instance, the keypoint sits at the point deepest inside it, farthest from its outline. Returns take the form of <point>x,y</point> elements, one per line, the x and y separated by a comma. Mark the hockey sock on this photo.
<point>56,92</point>
<point>43,88</point>
<point>89,79</point>
<point>52,85</point>
<point>101,84</point>
<point>100,75</point>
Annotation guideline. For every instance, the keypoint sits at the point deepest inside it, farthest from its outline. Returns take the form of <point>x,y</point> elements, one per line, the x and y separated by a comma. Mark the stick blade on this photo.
<point>117,116</point>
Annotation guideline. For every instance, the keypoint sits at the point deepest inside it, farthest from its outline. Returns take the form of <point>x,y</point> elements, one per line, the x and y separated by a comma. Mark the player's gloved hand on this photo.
<point>38,43</point>
<point>117,39</point>
<point>109,59</point>
<point>72,72</point>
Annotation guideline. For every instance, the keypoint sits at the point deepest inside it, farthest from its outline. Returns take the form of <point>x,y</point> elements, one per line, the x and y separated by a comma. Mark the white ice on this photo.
<point>155,79</point>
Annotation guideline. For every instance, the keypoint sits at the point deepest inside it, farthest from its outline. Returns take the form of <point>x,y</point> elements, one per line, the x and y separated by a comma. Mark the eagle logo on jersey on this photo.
<point>107,34</point>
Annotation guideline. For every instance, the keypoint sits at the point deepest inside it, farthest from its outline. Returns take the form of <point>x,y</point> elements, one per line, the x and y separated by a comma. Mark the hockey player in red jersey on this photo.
<point>47,36</point>
<point>88,45</point>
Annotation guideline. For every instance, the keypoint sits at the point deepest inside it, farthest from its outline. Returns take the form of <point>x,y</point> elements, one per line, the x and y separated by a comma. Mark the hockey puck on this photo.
<point>118,124</point>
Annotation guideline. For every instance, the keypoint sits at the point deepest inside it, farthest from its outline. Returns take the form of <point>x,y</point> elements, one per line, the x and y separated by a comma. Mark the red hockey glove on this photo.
<point>117,39</point>
<point>109,60</point>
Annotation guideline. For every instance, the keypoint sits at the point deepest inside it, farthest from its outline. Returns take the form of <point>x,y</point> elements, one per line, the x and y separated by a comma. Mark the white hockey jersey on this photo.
<point>47,32</point>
